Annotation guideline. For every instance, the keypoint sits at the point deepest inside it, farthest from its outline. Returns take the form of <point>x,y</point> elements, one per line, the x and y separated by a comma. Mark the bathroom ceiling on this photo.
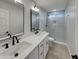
<point>50,5</point>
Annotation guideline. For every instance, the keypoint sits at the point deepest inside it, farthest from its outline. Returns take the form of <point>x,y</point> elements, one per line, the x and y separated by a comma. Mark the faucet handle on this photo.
<point>8,34</point>
<point>6,45</point>
<point>18,39</point>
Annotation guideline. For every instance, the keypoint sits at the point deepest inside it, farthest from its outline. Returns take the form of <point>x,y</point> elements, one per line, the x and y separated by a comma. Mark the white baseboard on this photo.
<point>69,52</point>
<point>60,43</point>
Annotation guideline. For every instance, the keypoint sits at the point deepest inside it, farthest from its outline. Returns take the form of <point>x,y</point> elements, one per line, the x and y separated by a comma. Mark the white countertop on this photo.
<point>34,40</point>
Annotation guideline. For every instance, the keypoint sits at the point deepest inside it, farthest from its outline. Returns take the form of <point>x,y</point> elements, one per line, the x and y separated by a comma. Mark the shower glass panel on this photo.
<point>56,25</point>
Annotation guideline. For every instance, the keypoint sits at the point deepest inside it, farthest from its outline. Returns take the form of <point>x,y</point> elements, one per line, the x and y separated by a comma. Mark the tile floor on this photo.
<point>58,51</point>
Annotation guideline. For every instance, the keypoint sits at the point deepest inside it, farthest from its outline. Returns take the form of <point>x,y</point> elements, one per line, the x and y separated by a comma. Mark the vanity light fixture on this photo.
<point>20,1</point>
<point>54,10</point>
<point>35,8</point>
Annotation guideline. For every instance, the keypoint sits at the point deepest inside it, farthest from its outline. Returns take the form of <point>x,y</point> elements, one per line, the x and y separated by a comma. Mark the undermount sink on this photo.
<point>16,50</point>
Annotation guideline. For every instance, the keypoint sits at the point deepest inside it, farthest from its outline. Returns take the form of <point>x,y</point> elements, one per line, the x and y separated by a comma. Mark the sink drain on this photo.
<point>16,55</point>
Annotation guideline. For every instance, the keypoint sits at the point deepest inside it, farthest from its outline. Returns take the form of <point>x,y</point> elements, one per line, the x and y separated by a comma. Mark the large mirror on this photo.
<point>34,20</point>
<point>11,18</point>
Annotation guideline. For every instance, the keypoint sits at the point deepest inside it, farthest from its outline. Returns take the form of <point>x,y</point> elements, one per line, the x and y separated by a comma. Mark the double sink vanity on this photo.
<point>32,47</point>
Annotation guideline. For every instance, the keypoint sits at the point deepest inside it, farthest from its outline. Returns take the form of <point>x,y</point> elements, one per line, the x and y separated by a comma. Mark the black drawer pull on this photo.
<point>41,45</point>
<point>42,53</point>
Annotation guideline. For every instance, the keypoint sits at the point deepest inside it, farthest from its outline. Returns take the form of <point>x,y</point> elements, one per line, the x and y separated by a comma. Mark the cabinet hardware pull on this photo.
<point>41,45</point>
<point>41,53</point>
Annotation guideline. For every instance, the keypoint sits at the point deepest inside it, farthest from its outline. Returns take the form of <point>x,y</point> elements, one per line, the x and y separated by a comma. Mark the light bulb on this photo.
<point>35,9</point>
<point>20,1</point>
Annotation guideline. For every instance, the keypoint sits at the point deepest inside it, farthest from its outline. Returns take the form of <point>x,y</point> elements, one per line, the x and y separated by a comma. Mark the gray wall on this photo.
<point>71,26</point>
<point>42,14</point>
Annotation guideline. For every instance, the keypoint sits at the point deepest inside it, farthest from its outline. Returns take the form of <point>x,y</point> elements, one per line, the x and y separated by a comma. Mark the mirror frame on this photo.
<point>31,20</point>
<point>31,11</point>
<point>19,34</point>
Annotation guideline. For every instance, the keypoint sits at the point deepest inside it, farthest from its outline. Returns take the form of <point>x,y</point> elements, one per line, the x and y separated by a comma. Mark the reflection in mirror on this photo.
<point>34,20</point>
<point>11,18</point>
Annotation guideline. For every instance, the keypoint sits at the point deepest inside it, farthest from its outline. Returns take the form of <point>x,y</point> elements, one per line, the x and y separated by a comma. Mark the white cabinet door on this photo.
<point>41,56</point>
<point>46,46</point>
<point>34,54</point>
<point>41,50</point>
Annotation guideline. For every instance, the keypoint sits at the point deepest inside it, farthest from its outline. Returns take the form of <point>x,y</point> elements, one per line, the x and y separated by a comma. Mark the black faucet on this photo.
<point>8,34</point>
<point>37,31</point>
<point>13,42</point>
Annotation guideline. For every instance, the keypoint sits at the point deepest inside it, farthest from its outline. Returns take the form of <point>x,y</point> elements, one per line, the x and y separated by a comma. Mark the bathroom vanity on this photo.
<point>40,46</point>
<point>40,50</point>
<point>32,47</point>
